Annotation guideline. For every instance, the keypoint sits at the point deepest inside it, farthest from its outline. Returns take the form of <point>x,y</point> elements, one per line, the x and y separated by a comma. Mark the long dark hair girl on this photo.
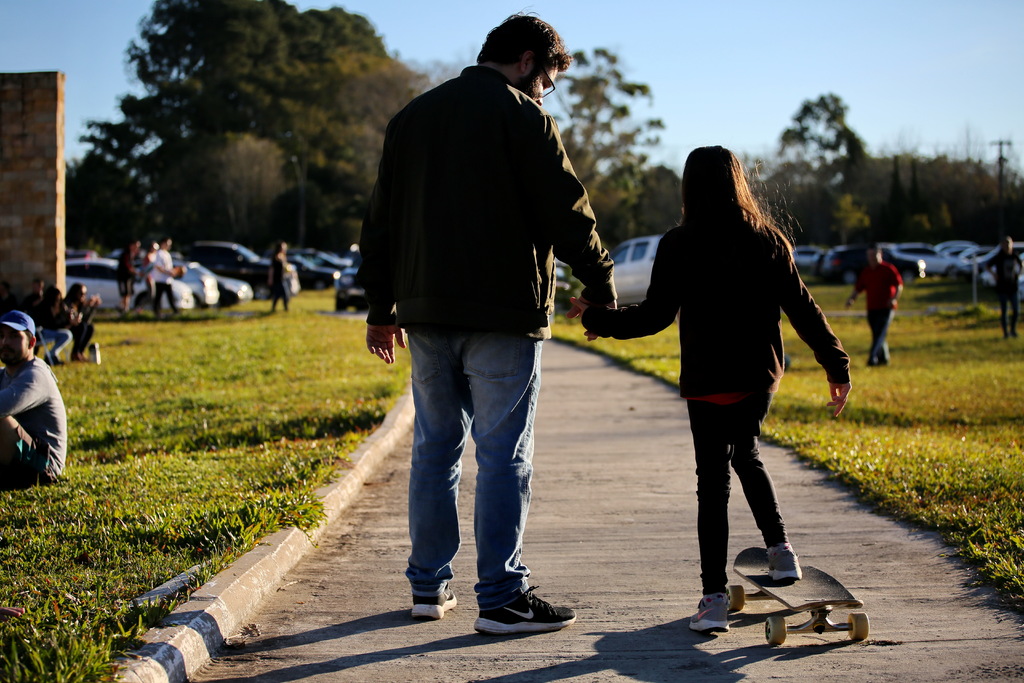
<point>716,195</point>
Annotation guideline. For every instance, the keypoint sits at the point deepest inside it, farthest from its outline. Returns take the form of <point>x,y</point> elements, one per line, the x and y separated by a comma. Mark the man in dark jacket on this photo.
<point>1005,266</point>
<point>475,197</point>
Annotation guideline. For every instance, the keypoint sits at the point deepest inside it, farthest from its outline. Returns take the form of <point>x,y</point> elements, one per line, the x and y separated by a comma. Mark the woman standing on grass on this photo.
<point>276,274</point>
<point>726,270</point>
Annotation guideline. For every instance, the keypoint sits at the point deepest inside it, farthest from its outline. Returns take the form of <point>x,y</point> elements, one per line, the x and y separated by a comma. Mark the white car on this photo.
<point>935,262</point>
<point>807,257</point>
<point>202,281</point>
<point>953,247</point>
<point>634,259</point>
<point>99,275</point>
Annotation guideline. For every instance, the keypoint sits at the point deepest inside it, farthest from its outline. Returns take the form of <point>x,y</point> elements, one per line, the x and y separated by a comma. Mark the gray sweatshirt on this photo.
<point>31,397</point>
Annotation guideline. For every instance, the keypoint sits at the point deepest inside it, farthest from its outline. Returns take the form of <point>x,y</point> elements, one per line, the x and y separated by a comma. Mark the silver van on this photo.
<point>634,259</point>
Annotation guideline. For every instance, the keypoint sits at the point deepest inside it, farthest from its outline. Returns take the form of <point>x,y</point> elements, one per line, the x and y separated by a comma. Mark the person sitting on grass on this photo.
<point>81,306</point>
<point>33,420</point>
<point>54,321</point>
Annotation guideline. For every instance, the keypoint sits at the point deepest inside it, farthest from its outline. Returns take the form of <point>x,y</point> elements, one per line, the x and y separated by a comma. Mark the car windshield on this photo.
<point>247,254</point>
<point>301,260</point>
<point>331,260</point>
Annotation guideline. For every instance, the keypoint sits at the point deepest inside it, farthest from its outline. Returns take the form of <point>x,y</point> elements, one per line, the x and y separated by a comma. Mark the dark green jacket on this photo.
<point>474,198</point>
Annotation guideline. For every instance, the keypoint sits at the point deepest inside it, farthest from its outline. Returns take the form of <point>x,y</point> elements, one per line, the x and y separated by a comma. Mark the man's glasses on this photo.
<point>550,87</point>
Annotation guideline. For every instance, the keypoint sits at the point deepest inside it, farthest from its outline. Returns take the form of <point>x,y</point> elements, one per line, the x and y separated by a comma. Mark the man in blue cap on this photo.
<point>33,421</point>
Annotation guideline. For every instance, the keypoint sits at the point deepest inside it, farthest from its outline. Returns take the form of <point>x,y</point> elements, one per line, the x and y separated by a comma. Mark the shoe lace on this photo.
<point>533,600</point>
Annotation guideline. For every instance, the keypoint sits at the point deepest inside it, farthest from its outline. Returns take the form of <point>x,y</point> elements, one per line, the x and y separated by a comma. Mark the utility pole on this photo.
<point>1002,205</point>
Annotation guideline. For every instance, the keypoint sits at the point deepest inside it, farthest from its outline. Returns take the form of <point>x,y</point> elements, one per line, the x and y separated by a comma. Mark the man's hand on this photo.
<point>380,340</point>
<point>579,304</point>
<point>839,393</point>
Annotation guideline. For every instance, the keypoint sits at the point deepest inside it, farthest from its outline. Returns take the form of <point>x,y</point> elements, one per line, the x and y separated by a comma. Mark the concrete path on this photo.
<point>612,534</point>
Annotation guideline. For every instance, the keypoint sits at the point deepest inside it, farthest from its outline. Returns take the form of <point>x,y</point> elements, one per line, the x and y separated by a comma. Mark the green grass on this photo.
<point>194,439</point>
<point>936,438</point>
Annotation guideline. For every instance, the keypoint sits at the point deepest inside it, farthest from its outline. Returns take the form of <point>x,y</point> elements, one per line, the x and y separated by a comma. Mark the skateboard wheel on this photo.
<point>775,630</point>
<point>737,598</point>
<point>859,625</point>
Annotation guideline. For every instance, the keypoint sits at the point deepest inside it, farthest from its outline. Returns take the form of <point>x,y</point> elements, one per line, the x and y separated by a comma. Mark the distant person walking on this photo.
<point>474,199</point>
<point>126,273</point>
<point>276,276</point>
<point>882,284</point>
<point>730,353</point>
<point>163,275</point>
<point>1006,266</point>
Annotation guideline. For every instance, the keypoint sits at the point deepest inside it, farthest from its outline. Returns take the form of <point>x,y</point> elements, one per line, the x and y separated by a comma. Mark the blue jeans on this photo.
<point>724,436</point>
<point>485,384</point>
<point>879,320</point>
<point>59,338</point>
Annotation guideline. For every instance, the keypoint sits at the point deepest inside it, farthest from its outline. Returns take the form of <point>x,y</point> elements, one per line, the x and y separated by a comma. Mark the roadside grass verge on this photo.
<point>936,438</point>
<point>194,439</point>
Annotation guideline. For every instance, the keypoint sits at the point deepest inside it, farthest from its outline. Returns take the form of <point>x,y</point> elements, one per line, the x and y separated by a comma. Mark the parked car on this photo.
<point>347,292</point>
<point>99,275</point>
<point>312,276</point>
<point>233,291</point>
<point>324,259</point>
<point>234,260</point>
<point>844,263</point>
<point>202,281</point>
<point>956,250</point>
<point>634,259</point>
<point>953,247</point>
<point>936,262</point>
<point>966,258</point>
<point>80,253</point>
<point>807,258</point>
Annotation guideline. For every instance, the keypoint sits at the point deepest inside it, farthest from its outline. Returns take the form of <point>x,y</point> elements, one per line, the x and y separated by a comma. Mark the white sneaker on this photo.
<point>783,563</point>
<point>434,606</point>
<point>712,614</point>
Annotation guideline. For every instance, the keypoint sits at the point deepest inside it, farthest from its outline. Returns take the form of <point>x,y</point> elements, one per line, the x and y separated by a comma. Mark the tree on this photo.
<point>820,158</point>
<point>603,141</point>
<point>317,85</point>
<point>249,172</point>
<point>820,130</point>
<point>850,220</point>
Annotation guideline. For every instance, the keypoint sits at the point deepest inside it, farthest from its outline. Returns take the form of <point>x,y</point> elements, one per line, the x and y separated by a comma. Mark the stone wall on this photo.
<point>32,179</point>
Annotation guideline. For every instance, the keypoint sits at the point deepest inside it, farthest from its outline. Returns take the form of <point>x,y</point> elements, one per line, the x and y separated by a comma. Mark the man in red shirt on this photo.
<point>883,285</point>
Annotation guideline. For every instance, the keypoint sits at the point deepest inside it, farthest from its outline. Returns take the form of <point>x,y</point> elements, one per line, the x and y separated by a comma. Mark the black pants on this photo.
<point>82,334</point>
<point>161,289</point>
<point>724,436</point>
<point>1009,299</point>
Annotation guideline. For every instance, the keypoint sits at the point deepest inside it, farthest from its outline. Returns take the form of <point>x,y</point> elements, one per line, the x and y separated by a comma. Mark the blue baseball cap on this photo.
<point>19,321</point>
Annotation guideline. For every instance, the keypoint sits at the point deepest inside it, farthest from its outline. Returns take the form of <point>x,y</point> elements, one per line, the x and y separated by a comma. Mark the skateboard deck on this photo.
<point>817,592</point>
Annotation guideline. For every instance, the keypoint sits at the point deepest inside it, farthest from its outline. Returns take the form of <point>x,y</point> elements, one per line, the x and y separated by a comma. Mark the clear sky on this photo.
<point>926,76</point>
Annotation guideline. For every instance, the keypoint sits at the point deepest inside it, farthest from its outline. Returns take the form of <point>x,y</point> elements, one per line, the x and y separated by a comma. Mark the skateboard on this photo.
<point>816,593</point>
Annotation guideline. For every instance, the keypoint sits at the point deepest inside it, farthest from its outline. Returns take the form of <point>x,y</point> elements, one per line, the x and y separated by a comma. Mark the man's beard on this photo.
<point>532,84</point>
<point>10,356</point>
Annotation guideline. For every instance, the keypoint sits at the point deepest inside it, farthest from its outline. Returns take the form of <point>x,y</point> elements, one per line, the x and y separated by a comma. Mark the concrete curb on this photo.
<point>178,649</point>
